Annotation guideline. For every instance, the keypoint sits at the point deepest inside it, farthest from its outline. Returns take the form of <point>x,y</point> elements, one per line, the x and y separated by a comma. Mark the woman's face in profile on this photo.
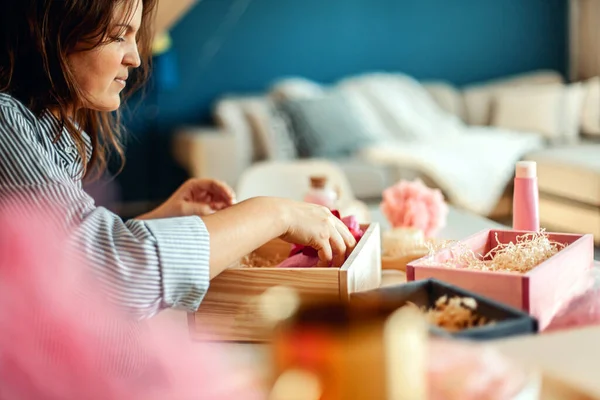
<point>103,71</point>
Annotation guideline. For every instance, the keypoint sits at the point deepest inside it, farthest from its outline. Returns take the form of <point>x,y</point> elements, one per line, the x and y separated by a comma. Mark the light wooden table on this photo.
<point>573,355</point>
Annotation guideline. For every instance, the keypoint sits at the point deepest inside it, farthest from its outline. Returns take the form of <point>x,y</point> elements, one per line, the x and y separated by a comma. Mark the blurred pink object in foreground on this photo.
<point>411,204</point>
<point>465,370</point>
<point>582,310</point>
<point>59,339</point>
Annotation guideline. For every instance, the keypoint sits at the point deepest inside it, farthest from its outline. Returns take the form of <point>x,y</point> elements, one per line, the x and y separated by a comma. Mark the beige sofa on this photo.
<point>569,166</point>
<point>569,181</point>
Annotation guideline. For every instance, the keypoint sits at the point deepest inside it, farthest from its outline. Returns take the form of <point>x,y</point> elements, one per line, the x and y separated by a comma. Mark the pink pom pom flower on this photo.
<point>411,204</point>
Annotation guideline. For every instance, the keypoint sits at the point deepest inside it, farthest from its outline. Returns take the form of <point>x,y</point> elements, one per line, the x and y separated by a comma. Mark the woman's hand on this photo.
<point>241,229</point>
<point>316,226</point>
<point>195,197</point>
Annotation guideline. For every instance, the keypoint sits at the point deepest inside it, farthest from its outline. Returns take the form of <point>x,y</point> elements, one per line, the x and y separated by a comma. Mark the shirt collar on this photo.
<point>65,141</point>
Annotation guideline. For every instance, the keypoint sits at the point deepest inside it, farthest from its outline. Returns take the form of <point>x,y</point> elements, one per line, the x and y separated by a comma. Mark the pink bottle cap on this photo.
<point>526,169</point>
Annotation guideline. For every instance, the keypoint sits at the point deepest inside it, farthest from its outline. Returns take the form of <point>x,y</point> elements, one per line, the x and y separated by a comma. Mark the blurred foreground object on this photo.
<point>60,338</point>
<point>465,371</point>
<point>472,316</point>
<point>351,352</point>
<point>332,351</point>
<point>583,310</point>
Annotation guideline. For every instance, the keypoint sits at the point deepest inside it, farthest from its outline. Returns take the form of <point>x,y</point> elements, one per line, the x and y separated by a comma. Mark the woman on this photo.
<point>64,66</point>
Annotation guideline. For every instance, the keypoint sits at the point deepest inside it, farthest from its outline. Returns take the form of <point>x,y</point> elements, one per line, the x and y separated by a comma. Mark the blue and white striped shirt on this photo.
<point>145,265</point>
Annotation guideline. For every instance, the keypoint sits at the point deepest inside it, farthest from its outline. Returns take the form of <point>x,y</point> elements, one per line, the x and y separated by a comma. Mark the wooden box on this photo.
<point>541,292</point>
<point>230,312</point>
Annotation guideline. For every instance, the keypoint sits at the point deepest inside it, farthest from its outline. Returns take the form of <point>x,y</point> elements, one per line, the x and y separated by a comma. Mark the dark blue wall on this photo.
<point>457,40</point>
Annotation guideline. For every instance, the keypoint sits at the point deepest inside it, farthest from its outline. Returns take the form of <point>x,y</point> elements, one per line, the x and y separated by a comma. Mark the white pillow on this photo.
<point>553,111</point>
<point>479,98</point>
<point>274,140</point>
<point>448,97</point>
<point>406,110</point>
<point>590,116</point>
<point>295,88</point>
<point>363,107</point>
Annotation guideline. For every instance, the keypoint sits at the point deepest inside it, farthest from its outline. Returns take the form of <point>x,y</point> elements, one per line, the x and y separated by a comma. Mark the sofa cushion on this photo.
<point>273,137</point>
<point>448,97</point>
<point>296,87</point>
<point>553,111</point>
<point>405,107</point>
<point>559,215</point>
<point>479,97</point>
<point>325,126</point>
<point>364,109</point>
<point>230,116</point>
<point>571,172</point>
<point>590,116</point>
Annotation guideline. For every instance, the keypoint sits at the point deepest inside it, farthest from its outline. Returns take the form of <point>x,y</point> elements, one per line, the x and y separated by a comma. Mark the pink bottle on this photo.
<point>319,193</point>
<point>526,214</point>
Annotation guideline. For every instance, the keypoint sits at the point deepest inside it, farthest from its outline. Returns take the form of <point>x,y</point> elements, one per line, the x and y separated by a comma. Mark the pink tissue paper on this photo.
<point>307,257</point>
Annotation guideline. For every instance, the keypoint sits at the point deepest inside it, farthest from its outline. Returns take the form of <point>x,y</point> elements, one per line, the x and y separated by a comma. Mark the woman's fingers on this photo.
<point>223,191</point>
<point>317,227</point>
<point>218,205</point>
<point>346,235</point>
<point>338,248</point>
<point>325,255</point>
<point>210,190</point>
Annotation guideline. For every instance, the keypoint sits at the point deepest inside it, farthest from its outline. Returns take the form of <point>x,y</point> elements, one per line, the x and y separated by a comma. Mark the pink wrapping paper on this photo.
<point>468,371</point>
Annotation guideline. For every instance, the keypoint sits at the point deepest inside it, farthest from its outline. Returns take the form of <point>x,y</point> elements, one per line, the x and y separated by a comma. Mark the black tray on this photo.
<point>509,321</point>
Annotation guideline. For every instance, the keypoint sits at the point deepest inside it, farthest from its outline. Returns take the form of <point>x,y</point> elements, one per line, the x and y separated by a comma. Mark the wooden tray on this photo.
<point>230,312</point>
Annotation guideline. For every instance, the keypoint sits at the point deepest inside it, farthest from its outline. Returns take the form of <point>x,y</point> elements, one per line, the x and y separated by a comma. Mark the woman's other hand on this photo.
<point>316,226</point>
<point>195,197</point>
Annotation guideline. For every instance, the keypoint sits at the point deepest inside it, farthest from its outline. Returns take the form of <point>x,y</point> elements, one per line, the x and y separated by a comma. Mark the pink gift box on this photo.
<point>541,292</point>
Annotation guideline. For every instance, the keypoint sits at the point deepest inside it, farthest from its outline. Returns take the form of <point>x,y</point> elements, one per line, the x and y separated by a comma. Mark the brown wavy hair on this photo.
<point>36,36</point>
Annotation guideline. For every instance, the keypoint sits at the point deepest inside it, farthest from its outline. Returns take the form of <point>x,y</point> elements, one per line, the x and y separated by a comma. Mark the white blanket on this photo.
<point>472,165</point>
<point>473,170</point>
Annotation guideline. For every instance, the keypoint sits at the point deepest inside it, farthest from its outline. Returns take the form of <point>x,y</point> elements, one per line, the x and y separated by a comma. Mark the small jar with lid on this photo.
<point>320,193</point>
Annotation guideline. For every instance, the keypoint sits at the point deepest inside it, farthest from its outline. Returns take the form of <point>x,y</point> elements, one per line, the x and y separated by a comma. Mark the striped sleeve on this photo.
<point>144,265</point>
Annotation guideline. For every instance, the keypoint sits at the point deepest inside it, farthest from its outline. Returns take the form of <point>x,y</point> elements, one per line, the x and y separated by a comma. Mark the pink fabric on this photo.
<point>299,261</point>
<point>411,204</point>
<point>464,371</point>
<point>583,310</point>
<point>60,339</point>
<point>307,257</point>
